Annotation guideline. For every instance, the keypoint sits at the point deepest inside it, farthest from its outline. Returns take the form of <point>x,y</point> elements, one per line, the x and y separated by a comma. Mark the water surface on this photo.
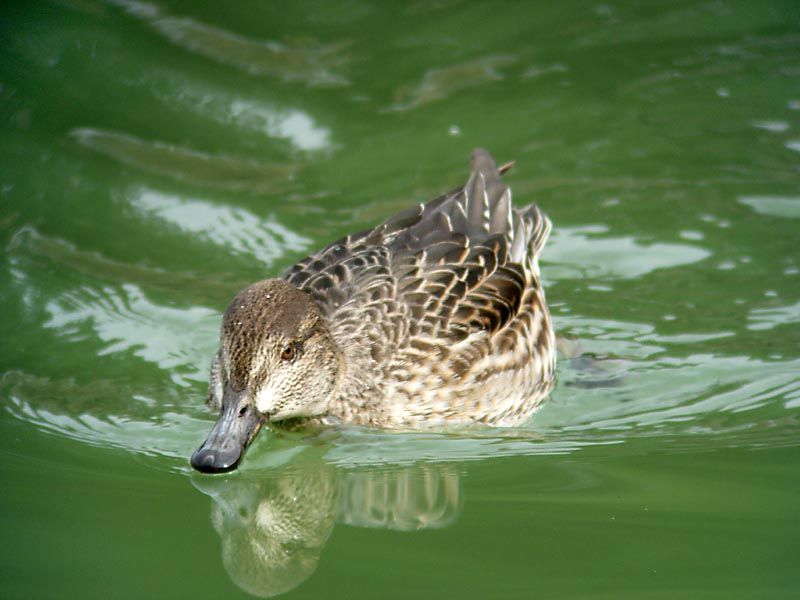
<point>159,156</point>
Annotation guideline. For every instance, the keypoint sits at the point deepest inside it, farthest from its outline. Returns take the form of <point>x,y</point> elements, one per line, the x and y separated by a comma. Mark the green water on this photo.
<point>157,157</point>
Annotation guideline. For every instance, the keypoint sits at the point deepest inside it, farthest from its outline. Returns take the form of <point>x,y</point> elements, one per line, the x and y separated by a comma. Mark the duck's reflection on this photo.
<point>274,528</point>
<point>401,498</point>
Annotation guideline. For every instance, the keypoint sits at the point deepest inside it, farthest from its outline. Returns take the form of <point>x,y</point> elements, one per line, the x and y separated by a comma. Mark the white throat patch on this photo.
<point>266,400</point>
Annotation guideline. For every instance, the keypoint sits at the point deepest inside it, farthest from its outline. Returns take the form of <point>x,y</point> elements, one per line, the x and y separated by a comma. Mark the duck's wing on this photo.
<point>467,264</point>
<point>461,261</point>
<point>418,218</point>
<point>332,269</point>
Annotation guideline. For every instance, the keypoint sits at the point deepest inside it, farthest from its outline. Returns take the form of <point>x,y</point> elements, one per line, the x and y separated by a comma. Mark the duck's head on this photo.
<point>276,361</point>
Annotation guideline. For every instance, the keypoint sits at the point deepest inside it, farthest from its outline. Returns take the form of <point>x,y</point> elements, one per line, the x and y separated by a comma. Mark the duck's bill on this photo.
<point>236,427</point>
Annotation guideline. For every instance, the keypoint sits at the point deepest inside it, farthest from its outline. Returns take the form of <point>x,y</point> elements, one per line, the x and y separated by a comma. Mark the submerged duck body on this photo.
<point>437,316</point>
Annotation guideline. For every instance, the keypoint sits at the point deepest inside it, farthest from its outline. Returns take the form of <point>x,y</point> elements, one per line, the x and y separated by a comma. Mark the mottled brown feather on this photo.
<point>437,302</point>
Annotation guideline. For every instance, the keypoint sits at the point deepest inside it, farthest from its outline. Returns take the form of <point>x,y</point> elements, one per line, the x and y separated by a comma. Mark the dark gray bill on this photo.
<point>236,427</point>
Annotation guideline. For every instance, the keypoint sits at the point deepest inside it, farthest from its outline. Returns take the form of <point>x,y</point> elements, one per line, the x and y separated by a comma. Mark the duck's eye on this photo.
<point>289,352</point>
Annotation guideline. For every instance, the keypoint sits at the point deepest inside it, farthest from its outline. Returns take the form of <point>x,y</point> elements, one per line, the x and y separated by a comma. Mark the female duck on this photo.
<point>436,316</point>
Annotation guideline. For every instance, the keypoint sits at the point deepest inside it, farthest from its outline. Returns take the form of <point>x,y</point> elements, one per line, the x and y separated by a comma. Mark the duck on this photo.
<point>434,318</point>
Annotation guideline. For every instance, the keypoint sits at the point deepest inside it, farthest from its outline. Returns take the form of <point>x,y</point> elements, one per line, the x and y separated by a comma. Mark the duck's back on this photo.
<point>439,311</point>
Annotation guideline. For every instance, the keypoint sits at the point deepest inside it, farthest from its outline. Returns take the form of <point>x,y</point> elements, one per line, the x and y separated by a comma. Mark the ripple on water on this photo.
<point>177,340</point>
<point>184,164</point>
<point>438,84</point>
<point>774,206</point>
<point>768,318</point>
<point>579,252</point>
<point>310,63</point>
<point>249,115</point>
<point>156,422</point>
<point>233,229</point>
